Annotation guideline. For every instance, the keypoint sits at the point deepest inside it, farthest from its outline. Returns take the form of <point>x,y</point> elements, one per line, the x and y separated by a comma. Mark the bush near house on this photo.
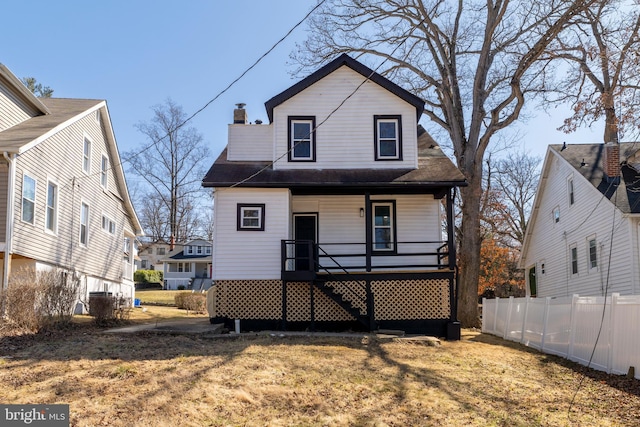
<point>191,301</point>
<point>34,300</point>
<point>147,276</point>
<point>107,310</point>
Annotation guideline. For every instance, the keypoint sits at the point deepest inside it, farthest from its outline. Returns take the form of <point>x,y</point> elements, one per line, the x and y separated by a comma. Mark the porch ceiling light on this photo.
<point>361,212</point>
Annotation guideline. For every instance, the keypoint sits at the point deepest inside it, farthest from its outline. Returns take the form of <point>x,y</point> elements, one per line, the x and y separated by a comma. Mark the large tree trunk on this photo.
<point>469,254</point>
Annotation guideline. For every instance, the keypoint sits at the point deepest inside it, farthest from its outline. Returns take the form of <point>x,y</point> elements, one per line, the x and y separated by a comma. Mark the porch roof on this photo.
<point>435,171</point>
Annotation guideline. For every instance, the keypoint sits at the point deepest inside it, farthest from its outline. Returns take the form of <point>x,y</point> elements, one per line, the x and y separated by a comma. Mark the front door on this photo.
<point>533,285</point>
<point>305,228</point>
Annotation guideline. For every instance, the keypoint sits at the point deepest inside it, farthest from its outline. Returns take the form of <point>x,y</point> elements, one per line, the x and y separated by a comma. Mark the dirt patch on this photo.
<point>147,379</point>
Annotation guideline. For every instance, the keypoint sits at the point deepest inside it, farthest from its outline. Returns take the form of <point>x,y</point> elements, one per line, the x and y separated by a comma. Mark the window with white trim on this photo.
<point>84,224</point>
<point>160,251</point>
<point>302,134</point>
<point>388,137</point>
<point>592,253</point>
<point>28,199</point>
<point>104,168</point>
<point>383,226</point>
<point>51,213</point>
<point>86,156</point>
<point>250,217</point>
<point>571,192</point>
<point>573,249</point>
<point>208,250</point>
<point>108,224</point>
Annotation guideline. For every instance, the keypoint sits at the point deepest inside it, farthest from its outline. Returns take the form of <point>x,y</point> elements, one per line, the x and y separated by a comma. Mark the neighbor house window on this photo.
<point>28,199</point>
<point>160,251</point>
<point>199,249</point>
<point>302,135</point>
<point>574,259</point>
<point>86,156</point>
<point>108,225</point>
<point>84,224</point>
<point>388,139</point>
<point>383,226</point>
<point>104,167</point>
<point>556,214</point>
<point>208,250</point>
<point>51,214</point>
<point>593,254</point>
<point>188,250</point>
<point>250,217</point>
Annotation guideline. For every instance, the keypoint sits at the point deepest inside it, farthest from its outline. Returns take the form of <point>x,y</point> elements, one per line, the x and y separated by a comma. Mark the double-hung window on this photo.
<point>104,167</point>
<point>28,199</point>
<point>302,136</point>
<point>86,156</point>
<point>388,137</point>
<point>250,217</point>
<point>51,214</point>
<point>84,224</point>
<point>593,254</point>
<point>574,259</point>
<point>383,226</point>
<point>108,225</point>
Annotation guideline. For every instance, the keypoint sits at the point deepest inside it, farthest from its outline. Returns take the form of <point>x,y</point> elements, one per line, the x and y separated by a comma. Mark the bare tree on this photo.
<point>602,52</point>
<point>173,166</point>
<point>473,62</point>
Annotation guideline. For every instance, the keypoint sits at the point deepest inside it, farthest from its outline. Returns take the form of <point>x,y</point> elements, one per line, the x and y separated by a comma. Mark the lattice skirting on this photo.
<point>393,300</point>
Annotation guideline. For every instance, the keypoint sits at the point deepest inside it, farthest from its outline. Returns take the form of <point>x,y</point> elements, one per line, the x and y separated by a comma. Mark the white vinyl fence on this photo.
<point>569,327</point>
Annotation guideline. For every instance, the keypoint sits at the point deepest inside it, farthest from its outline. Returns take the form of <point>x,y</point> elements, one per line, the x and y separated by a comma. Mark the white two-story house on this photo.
<point>188,266</point>
<point>330,216</point>
<point>64,202</point>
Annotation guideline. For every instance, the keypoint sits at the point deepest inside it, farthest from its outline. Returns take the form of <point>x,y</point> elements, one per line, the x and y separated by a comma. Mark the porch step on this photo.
<point>394,332</point>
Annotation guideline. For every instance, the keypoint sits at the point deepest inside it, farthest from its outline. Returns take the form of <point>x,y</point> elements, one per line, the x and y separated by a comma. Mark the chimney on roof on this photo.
<point>611,160</point>
<point>240,114</point>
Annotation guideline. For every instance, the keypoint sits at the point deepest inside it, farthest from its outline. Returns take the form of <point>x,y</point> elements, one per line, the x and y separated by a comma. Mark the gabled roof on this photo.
<point>587,159</point>
<point>435,170</point>
<point>344,60</point>
<point>7,75</point>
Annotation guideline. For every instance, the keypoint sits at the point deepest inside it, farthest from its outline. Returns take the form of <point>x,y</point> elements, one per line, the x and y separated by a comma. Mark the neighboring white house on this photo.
<point>188,266</point>
<point>151,255</point>
<point>583,235</point>
<point>330,215</point>
<point>64,197</point>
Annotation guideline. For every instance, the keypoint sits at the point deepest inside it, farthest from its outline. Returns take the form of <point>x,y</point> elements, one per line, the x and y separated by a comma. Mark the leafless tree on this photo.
<point>602,53</point>
<point>473,62</point>
<point>172,164</point>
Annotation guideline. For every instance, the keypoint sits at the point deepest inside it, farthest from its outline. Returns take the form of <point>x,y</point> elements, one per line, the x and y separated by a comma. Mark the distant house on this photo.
<point>330,215</point>
<point>584,233</point>
<point>188,266</point>
<point>65,200</point>
<point>151,255</point>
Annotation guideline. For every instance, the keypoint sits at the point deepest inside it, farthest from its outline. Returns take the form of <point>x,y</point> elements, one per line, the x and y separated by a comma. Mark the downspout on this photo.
<point>8,247</point>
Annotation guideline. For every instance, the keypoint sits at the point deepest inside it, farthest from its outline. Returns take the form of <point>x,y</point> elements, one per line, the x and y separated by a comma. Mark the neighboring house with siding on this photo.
<point>330,215</point>
<point>151,255</point>
<point>65,199</point>
<point>188,266</point>
<point>584,233</point>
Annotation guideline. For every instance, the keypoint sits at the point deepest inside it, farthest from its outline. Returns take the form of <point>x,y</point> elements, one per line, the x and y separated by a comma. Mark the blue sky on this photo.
<point>137,53</point>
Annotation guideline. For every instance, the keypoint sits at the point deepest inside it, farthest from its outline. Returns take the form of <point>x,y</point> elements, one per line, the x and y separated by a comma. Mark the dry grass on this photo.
<point>149,314</point>
<point>165,297</point>
<point>160,380</point>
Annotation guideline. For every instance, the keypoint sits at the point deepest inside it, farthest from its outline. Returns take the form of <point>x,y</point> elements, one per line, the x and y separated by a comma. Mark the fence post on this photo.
<point>508,321</point>
<point>495,316</point>
<point>524,319</point>
<point>484,318</point>
<point>572,326</point>
<point>545,322</point>
<point>612,328</point>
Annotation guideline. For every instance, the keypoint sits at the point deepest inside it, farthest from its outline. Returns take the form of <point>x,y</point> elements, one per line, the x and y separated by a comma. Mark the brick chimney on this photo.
<point>611,160</point>
<point>240,114</point>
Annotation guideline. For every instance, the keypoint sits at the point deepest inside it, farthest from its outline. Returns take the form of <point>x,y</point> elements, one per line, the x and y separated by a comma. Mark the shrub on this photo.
<point>34,300</point>
<point>195,302</point>
<point>180,299</point>
<point>147,276</point>
<point>181,287</point>
<point>107,310</point>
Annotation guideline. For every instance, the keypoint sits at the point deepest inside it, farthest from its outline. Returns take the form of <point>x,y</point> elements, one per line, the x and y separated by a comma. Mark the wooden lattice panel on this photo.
<point>353,291</point>
<point>249,299</point>
<point>299,305</point>
<point>411,299</point>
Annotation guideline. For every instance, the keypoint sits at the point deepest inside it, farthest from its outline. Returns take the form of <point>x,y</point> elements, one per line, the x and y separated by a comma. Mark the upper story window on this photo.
<point>208,250</point>
<point>28,199</point>
<point>570,189</point>
<point>86,156</point>
<point>160,251</point>
<point>593,253</point>
<point>188,250</point>
<point>556,214</point>
<point>108,225</point>
<point>301,137</point>
<point>51,214</point>
<point>383,226</point>
<point>574,259</point>
<point>250,217</point>
<point>104,167</point>
<point>388,137</point>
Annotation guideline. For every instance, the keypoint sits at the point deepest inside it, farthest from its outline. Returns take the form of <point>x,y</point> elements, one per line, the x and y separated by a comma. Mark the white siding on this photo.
<point>346,139</point>
<point>590,215</point>
<point>4,183</point>
<point>59,159</point>
<point>241,255</point>
<point>13,109</point>
<point>250,143</point>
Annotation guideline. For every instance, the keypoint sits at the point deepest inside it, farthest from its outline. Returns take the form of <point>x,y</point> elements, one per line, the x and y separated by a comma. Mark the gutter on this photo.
<point>8,247</point>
